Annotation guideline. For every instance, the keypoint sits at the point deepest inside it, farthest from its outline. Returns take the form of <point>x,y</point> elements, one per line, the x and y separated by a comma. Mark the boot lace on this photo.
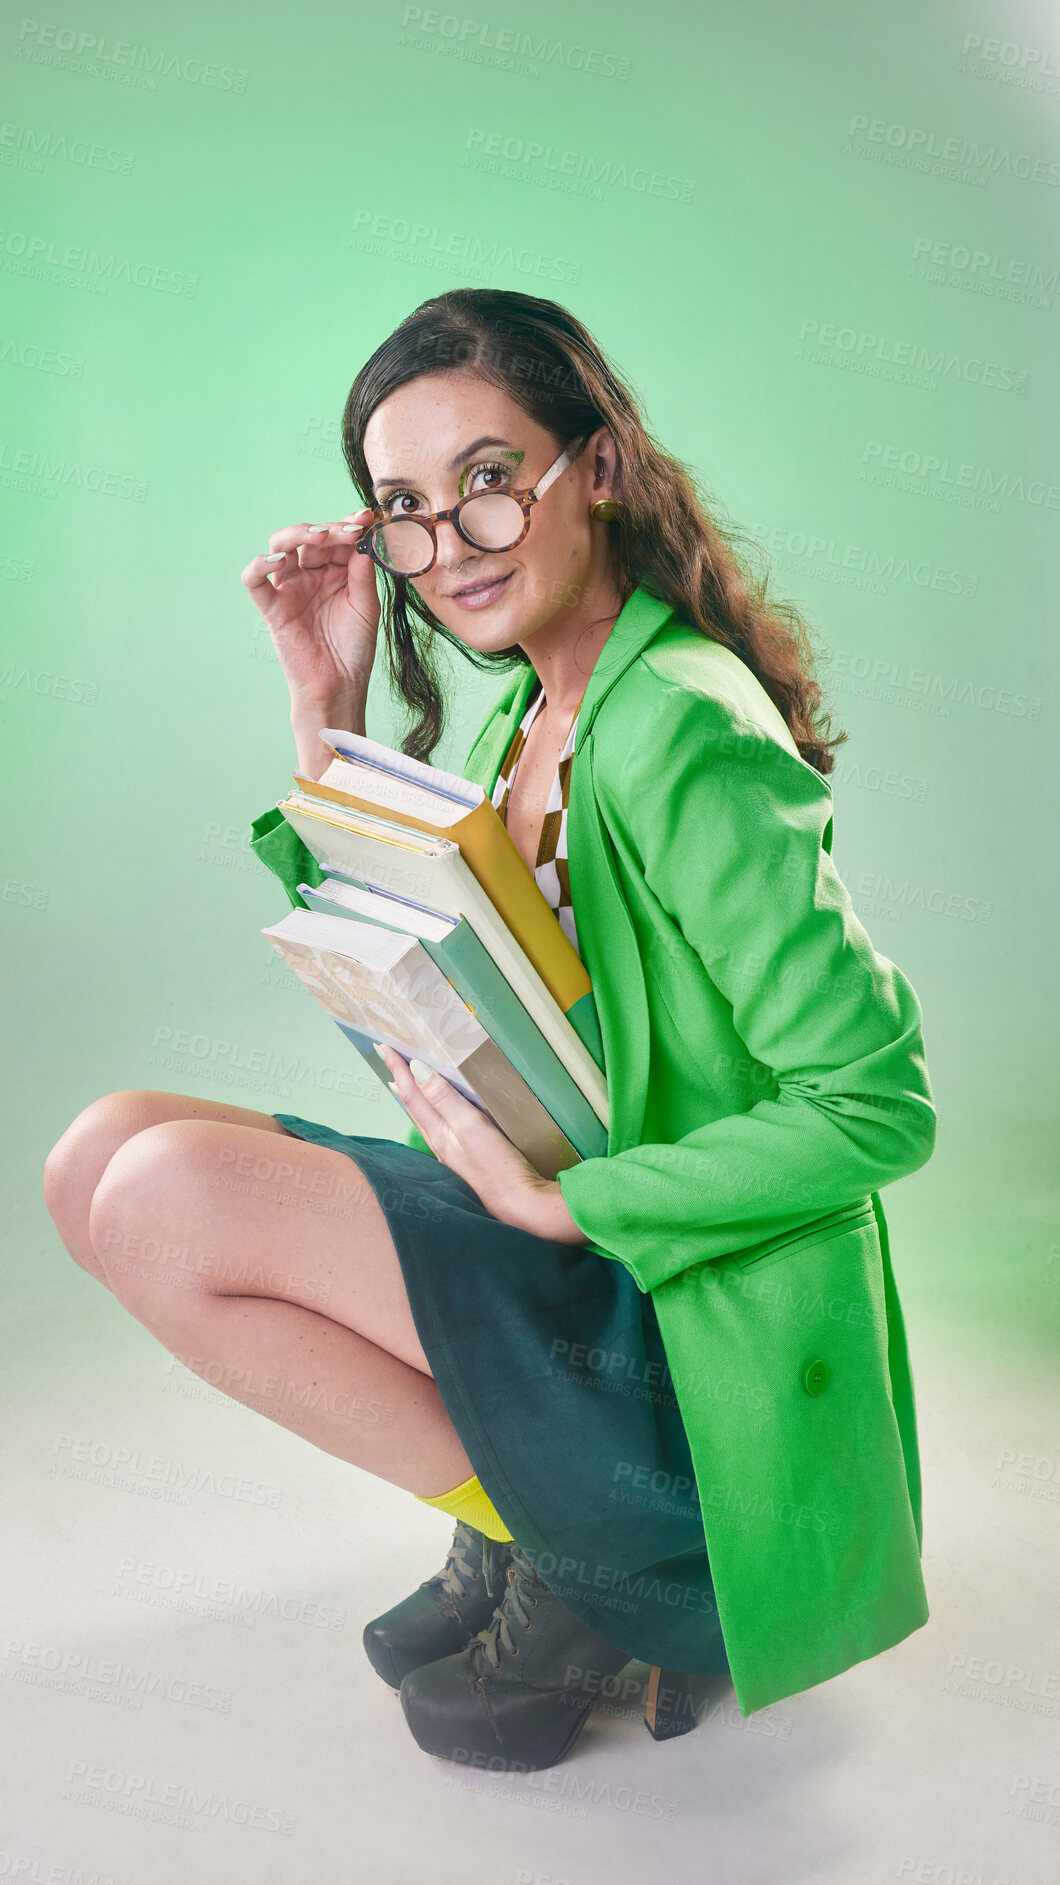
<point>512,1612</point>
<point>460,1570</point>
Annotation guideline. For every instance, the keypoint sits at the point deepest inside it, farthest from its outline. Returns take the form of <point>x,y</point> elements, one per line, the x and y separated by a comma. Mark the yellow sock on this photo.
<point>471,1503</point>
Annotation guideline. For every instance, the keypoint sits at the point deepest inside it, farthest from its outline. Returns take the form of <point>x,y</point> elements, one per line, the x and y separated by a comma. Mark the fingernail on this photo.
<point>420,1071</point>
<point>318,527</point>
<point>392,1084</point>
<point>378,1046</point>
<point>275,557</point>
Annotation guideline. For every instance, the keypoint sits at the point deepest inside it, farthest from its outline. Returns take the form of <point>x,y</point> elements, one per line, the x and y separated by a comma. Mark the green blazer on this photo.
<point>766,1076</point>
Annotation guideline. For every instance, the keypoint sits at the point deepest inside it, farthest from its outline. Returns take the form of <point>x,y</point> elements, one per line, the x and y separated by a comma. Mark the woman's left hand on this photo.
<point>462,1137</point>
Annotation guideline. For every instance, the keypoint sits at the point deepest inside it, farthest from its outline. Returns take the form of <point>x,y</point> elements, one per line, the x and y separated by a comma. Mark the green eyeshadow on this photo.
<point>516,458</point>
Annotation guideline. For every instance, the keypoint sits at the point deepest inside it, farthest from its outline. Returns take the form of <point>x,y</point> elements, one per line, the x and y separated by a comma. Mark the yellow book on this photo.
<point>431,872</point>
<point>367,777</point>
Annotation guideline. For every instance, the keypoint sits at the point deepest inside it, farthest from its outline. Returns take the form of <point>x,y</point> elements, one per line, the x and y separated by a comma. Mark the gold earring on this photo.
<point>605,508</point>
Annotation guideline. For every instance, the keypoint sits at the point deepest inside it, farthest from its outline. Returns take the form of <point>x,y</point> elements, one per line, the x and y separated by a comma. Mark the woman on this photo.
<point>696,1338</point>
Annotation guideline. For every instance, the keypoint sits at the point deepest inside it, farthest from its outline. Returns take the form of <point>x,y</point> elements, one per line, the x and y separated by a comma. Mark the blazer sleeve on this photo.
<point>282,851</point>
<point>737,854</point>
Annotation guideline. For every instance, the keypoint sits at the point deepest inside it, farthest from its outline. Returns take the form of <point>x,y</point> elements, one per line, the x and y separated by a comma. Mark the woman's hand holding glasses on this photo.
<point>321,607</point>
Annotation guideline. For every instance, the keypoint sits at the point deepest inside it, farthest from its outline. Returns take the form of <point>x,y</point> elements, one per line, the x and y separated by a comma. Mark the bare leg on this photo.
<point>265,1264</point>
<point>77,1161</point>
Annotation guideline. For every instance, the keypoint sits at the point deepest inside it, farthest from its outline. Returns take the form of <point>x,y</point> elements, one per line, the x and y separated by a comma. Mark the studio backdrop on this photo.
<point>822,245</point>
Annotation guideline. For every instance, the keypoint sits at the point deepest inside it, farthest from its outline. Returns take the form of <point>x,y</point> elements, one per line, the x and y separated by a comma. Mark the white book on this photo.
<point>431,871</point>
<point>383,985</point>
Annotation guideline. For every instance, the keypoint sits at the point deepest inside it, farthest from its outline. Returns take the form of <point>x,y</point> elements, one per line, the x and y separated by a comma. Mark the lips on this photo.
<point>477,588</point>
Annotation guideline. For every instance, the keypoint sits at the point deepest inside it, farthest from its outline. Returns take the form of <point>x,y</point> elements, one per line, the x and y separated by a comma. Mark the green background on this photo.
<point>212,221</point>
<point>221,408</point>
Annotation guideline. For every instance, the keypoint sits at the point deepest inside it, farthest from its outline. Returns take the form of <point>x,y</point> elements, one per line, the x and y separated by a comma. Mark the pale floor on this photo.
<point>187,1697</point>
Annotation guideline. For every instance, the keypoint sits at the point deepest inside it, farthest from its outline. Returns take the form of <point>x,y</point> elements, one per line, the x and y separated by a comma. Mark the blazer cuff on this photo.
<point>276,842</point>
<point>415,1140</point>
<point>585,1192</point>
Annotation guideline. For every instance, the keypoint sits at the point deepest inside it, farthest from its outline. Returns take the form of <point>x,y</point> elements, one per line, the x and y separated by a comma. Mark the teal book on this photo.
<point>456,950</point>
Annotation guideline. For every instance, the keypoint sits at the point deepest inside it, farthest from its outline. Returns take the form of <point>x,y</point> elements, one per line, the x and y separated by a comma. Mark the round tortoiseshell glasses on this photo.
<point>487,520</point>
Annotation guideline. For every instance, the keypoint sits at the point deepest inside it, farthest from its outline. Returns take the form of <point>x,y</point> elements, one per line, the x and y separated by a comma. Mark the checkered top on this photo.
<point>551,868</point>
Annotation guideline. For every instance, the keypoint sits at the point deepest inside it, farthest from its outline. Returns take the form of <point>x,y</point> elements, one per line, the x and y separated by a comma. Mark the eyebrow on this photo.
<point>468,451</point>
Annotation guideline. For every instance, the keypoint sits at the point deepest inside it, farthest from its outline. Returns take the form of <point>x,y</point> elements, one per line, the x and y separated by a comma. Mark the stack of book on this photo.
<point>429,933</point>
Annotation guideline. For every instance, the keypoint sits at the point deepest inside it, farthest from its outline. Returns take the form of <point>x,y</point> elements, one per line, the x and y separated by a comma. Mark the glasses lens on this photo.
<point>492,521</point>
<point>404,546</point>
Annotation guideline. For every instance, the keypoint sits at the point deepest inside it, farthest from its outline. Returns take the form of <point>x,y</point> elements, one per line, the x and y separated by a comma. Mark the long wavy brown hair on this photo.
<point>664,538</point>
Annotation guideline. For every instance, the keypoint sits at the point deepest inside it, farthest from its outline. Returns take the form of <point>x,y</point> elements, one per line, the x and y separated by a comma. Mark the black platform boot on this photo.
<point>444,1612</point>
<point>521,1692</point>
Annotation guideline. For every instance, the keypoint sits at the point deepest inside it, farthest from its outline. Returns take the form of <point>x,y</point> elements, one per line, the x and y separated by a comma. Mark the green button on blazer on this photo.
<point>766,1076</point>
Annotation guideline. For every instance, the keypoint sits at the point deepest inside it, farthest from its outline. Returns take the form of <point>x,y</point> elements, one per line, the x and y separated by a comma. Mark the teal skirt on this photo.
<point>551,1366</point>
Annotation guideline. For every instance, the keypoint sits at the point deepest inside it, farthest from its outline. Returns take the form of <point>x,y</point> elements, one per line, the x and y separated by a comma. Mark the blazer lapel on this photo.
<point>484,760</point>
<point>641,618</point>
<point>606,935</point>
<point>608,948</point>
<point>608,939</point>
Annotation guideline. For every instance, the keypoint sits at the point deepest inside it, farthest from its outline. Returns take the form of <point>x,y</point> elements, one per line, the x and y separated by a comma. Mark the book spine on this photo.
<point>502,1094</point>
<point>490,854</point>
<point>516,1110</point>
<point>519,971</point>
<point>446,883</point>
<point>521,903</point>
<point>479,982</point>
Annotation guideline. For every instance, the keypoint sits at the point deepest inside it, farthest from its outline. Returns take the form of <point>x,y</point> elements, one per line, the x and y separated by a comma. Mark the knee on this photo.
<point>129,1218</point>
<point>77,1160</point>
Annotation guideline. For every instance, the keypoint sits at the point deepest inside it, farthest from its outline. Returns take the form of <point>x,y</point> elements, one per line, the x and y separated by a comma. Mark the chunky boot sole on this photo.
<point>517,1698</point>
<point>405,1639</point>
<point>457,1717</point>
<point>523,1730</point>
<point>435,1621</point>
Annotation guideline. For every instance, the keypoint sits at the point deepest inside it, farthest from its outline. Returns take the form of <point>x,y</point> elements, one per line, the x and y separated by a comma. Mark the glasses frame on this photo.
<point>526,499</point>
